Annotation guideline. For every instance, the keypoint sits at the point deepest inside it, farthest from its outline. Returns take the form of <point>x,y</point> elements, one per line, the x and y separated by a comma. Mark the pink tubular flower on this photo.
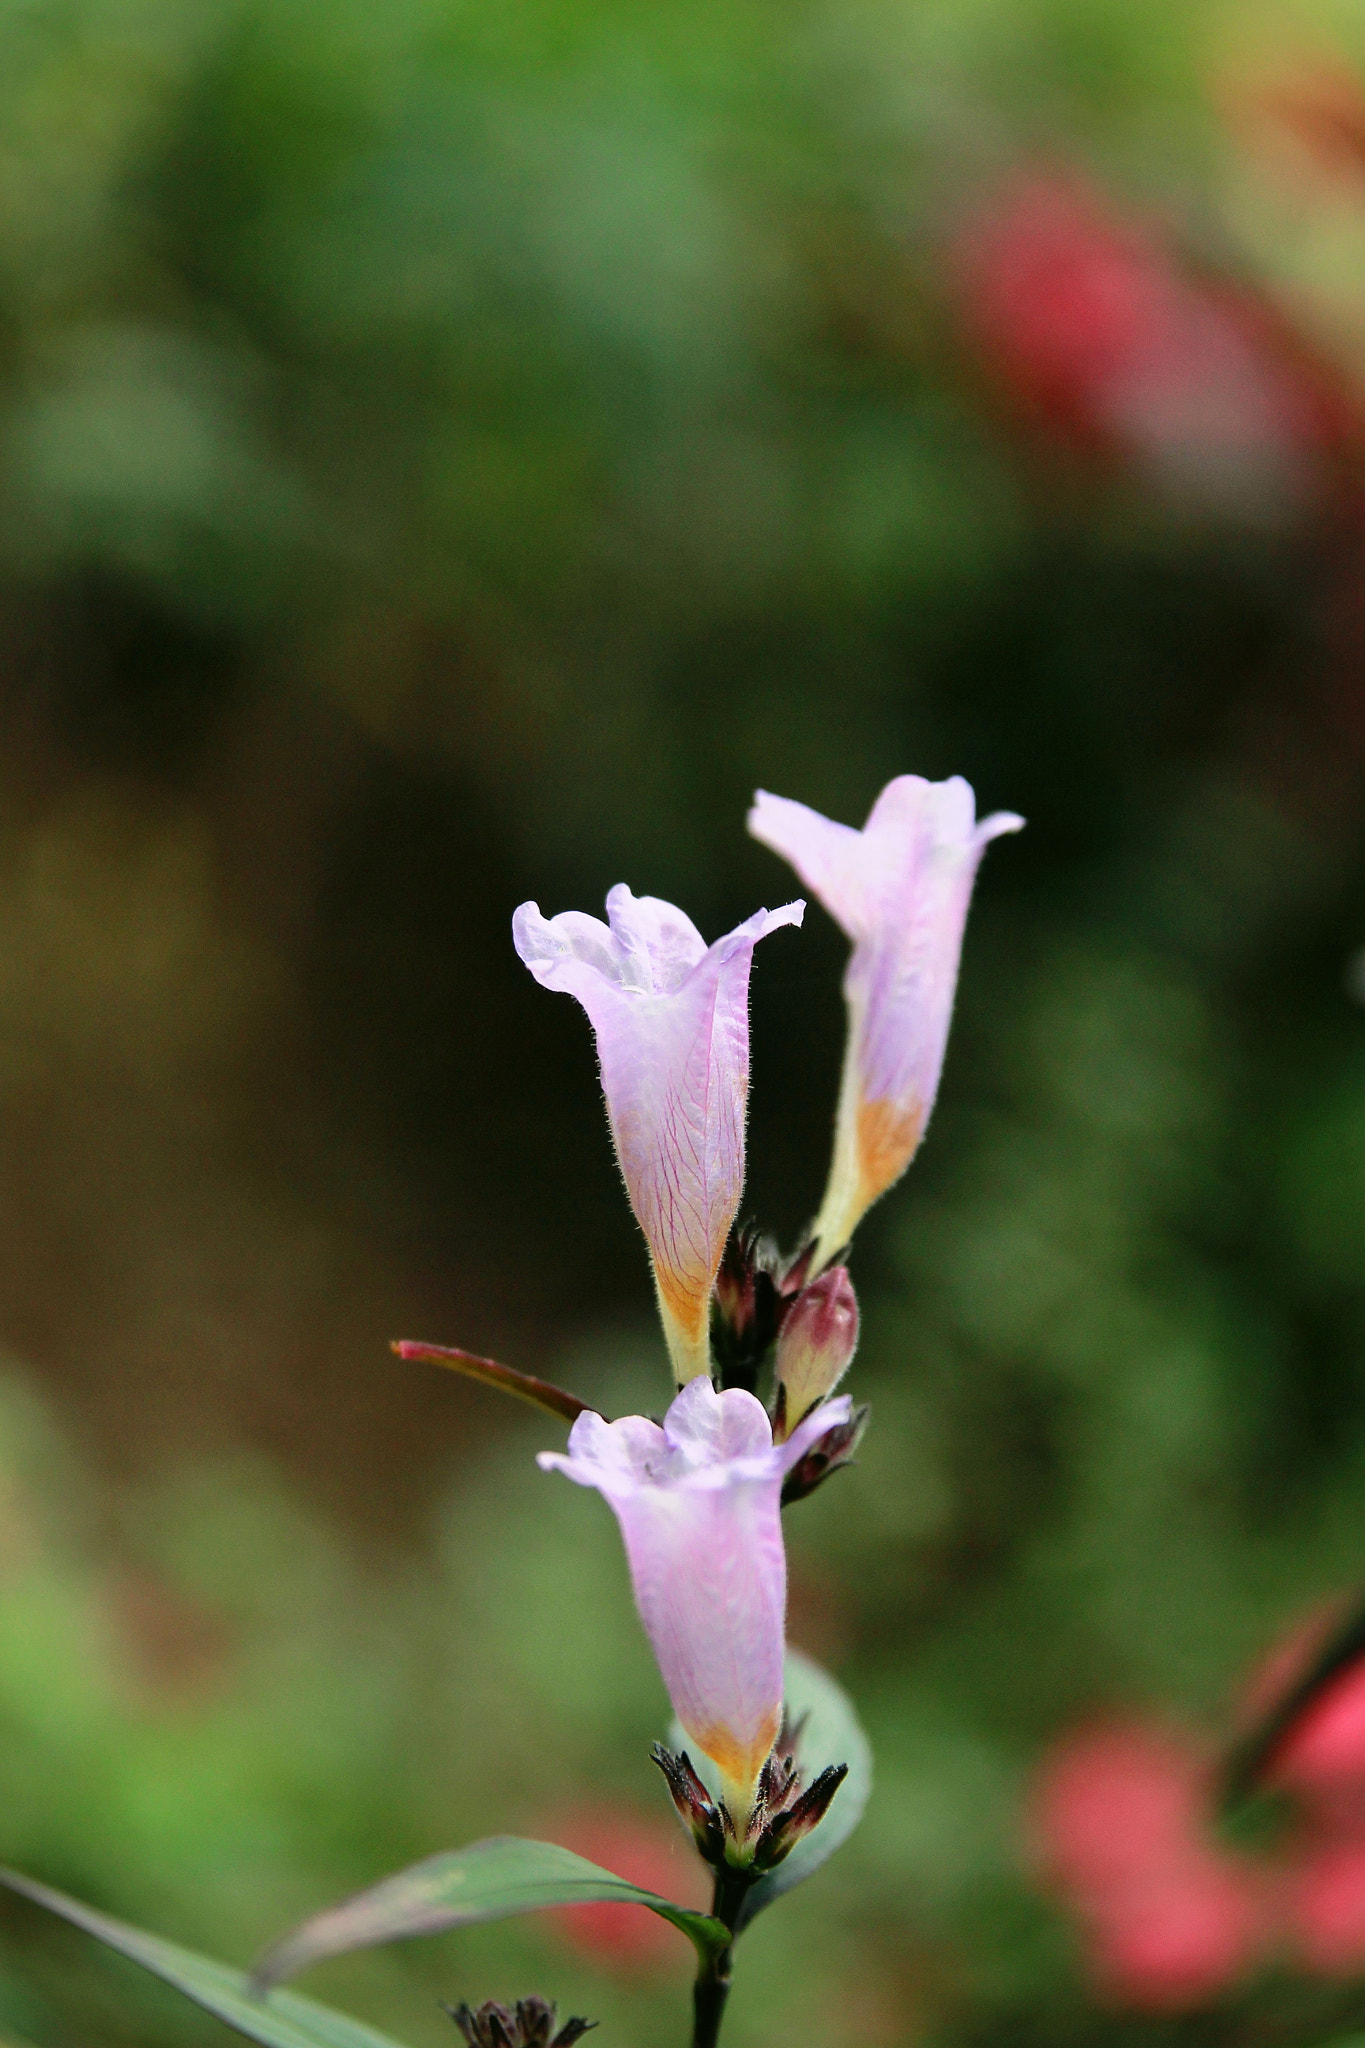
<point>1322,1758</point>
<point>1326,1905</point>
<point>1124,1828</point>
<point>1320,1763</point>
<point>900,889</point>
<point>671,1017</point>
<point>699,1504</point>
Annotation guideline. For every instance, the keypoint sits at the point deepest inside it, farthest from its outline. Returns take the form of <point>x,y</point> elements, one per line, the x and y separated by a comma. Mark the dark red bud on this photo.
<point>819,1337</point>
<point>829,1453</point>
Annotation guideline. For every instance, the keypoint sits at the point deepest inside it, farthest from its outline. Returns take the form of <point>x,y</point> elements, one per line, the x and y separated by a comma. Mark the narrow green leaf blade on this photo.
<point>489,1880</point>
<point>282,2021</point>
<point>523,1385</point>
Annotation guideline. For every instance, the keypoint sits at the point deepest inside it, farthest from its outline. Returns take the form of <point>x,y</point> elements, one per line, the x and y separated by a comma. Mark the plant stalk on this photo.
<point>712,1988</point>
<point>709,1994</point>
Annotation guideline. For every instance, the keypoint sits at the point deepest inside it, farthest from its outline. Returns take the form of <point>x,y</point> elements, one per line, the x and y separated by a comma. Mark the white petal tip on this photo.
<point>526,925</point>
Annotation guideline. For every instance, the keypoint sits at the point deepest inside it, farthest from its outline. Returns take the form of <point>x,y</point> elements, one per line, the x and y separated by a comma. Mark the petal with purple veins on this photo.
<point>900,889</point>
<point>699,1506</point>
<point>671,1018</point>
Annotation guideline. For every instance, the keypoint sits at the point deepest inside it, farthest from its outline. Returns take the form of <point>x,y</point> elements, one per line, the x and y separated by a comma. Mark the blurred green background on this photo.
<point>451,452</point>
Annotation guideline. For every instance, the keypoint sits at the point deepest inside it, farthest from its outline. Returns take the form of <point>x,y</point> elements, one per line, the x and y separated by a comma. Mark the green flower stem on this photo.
<point>709,1994</point>
<point>712,1988</point>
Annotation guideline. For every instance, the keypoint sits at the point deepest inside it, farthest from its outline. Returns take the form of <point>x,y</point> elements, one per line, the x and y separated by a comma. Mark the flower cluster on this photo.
<point>699,1496</point>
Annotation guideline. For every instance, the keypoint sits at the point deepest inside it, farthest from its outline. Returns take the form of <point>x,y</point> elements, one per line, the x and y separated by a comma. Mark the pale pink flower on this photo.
<point>1320,1763</point>
<point>1322,1757</point>
<point>900,889</point>
<point>699,1504</point>
<point>1123,1826</point>
<point>671,1017</point>
<point>1326,1905</point>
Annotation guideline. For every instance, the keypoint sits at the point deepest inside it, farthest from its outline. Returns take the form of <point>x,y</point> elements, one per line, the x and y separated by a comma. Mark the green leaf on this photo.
<point>832,1734</point>
<point>282,2020</point>
<point>487,1881</point>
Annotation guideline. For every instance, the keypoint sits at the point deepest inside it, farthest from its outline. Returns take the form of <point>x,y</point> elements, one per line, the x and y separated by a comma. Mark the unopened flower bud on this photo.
<point>828,1453</point>
<point>819,1337</point>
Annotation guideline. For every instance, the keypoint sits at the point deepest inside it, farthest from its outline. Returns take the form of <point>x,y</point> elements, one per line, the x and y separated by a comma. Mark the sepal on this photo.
<point>782,1813</point>
<point>529,2025</point>
<point>706,1818</point>
<point>749,1307</point>
<point>795,1821</point>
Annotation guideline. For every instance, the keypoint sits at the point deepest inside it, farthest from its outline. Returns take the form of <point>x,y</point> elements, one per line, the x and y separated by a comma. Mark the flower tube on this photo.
<point>900,889</point>
<point>699,1504</point>
<point>671,1018</point>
